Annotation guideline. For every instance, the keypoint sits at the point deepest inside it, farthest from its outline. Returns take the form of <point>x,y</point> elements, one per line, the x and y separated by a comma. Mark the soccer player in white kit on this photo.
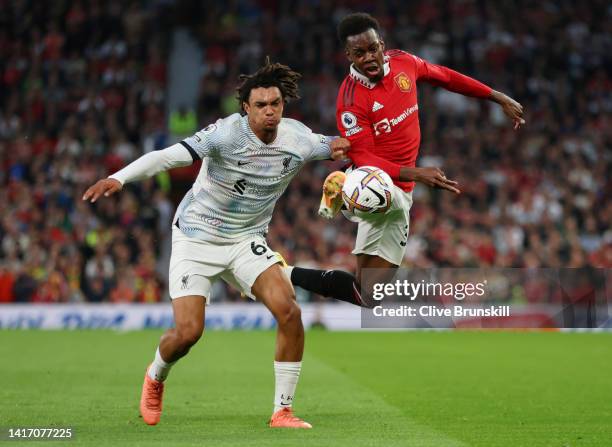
<point>219,228</point>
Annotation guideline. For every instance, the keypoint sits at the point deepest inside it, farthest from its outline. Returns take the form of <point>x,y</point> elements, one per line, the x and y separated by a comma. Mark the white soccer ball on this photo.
<point>367,190</point>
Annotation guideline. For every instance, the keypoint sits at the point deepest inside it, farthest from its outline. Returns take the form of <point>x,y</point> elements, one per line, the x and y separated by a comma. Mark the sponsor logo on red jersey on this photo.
<point>383,126</point>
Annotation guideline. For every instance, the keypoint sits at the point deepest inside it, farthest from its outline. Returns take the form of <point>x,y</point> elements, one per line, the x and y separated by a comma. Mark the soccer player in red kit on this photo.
<point>377,110</point>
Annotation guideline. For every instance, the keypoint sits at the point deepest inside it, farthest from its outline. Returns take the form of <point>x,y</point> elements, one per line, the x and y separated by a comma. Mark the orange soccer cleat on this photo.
<point>284,418</point>
<point>151,399</point>
<point>331,201</point>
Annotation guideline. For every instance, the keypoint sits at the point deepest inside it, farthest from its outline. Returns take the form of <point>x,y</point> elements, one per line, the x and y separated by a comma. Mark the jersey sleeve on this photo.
<point>313,146</point>
<point>203,143</point>
<point>152,163</point>
<point>450,79</point>
<point>320,146</point>
<point>354,124</point>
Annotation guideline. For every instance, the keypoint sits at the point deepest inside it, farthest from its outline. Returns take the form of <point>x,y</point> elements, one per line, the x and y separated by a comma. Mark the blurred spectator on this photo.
<point>125,289</point>
<point>7,281</point>
<point>183,123</point>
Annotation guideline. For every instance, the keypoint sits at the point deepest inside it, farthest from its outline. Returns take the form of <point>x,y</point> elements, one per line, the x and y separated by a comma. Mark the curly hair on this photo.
<point>270,75</point>
<point>356,23</point>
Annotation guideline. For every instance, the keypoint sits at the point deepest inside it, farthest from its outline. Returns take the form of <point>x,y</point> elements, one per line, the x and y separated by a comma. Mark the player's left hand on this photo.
<point>513,109</point>
<point>340,147</point>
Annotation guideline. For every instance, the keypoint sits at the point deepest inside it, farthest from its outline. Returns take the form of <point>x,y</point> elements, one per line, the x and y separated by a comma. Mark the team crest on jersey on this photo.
<point>286,163</point>
<point>348,120</point>
<point>403,82</point>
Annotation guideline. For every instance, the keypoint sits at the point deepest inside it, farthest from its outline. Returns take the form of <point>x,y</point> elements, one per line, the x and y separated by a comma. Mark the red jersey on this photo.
<point>381,119</point>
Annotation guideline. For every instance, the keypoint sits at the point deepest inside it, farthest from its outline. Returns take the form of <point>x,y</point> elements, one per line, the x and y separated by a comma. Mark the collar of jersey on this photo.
<point>363,80</point>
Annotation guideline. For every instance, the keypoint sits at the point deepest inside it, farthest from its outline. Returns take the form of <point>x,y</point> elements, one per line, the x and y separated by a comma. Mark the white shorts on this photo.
<point>195,264</point>
<point>386,235</point>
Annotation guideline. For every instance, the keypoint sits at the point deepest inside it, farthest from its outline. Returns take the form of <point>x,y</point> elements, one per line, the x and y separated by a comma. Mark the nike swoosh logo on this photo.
<point>269,257</point>
<point>242,163</point>
<point>381,199</point>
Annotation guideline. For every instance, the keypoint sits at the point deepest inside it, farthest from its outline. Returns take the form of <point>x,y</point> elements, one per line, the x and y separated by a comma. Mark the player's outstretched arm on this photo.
<point>146,166</point>
<point>465,85</point>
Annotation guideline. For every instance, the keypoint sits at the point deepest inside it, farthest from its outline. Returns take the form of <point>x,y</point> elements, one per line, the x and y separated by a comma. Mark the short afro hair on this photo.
<point>356,23</point>
<point>270,75</point>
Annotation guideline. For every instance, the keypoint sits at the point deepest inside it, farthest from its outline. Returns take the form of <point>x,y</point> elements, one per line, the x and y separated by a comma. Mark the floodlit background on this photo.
<point>88,86</point>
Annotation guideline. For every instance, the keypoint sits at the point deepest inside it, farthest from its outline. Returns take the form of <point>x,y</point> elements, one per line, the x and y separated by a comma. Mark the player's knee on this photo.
<point>289,315</point>
<point>189,334</point>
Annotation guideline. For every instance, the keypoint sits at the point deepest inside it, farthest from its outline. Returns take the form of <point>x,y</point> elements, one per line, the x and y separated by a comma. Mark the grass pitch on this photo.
<point>357,389</point>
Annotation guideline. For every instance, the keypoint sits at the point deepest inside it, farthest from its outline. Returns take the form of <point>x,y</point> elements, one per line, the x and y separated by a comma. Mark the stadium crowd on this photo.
<point>83,91</point>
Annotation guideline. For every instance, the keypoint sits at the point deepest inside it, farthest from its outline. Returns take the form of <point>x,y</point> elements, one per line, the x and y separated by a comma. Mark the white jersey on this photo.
<point>241,177</point>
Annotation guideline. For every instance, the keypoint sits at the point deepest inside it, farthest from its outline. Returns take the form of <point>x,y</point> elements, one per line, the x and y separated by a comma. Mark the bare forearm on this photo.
<point>512,108</point>
<point>407,174</point>
<point>430,176</point>
<point>497,97</point>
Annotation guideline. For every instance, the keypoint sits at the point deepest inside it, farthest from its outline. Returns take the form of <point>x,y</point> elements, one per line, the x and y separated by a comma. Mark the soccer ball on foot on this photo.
<point>367,190</point>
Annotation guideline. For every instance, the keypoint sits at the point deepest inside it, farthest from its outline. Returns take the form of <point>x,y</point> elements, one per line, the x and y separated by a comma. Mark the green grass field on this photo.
<point>357,389</point>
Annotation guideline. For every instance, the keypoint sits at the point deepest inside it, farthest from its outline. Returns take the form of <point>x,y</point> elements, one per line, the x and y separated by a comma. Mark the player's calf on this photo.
<point>187,336</point>
<point>274,289</point>
<point>174,344</point>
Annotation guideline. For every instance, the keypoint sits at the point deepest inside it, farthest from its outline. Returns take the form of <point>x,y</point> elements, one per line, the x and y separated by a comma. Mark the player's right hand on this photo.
<point>340,147</point>
<point>435,178</point>
<point>104,187</point>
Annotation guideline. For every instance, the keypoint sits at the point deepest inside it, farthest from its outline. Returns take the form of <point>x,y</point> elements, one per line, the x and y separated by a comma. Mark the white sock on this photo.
<point>288,269</point>
<point>159,369</point>
<point>287,375</point>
